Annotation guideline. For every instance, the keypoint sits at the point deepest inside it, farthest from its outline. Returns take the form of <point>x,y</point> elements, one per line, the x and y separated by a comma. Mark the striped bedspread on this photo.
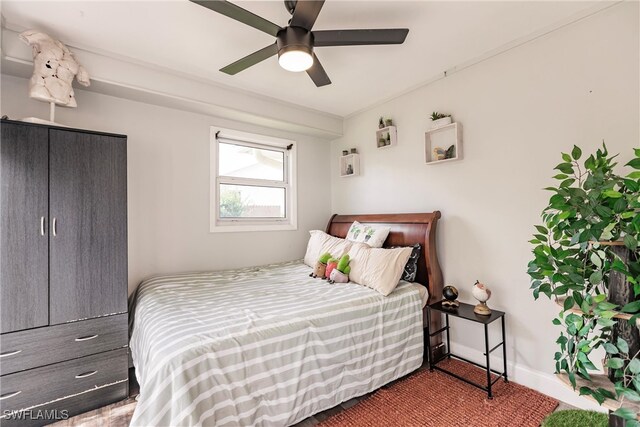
<point>265,346</point>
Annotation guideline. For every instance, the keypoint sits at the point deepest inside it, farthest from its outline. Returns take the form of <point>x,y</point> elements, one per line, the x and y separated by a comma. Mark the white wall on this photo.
<point>577,85</point>
<point>168,183</point>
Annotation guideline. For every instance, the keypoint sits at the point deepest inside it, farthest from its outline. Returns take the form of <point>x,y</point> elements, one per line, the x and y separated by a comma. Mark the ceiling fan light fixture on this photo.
<point>295,49</point>
<point>295,59</point>
<point>295,42</point>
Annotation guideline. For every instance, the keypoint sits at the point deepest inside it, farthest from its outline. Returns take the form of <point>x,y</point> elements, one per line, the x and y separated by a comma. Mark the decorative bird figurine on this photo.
<point>482,294</point>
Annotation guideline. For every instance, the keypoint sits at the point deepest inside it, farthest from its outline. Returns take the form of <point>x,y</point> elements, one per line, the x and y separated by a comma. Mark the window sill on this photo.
<point>238,228</point>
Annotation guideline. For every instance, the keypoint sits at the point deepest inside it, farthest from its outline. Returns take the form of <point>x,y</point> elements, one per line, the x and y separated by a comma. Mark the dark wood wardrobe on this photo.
<point>63,271</point>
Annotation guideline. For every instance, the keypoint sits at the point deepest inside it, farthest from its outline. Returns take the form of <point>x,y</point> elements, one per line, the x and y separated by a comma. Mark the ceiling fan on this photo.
<point>295,42</point>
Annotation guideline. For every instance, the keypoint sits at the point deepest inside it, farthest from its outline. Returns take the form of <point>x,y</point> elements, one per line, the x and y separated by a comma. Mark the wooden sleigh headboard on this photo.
<point>406,230</point>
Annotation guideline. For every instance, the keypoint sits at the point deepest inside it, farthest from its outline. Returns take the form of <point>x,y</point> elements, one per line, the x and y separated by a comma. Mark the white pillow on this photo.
<point>321,242</point>
<point>372,235</point>
<point>377,268</point>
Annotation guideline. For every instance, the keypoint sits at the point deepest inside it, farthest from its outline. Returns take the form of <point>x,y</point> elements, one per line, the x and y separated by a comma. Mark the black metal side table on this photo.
<point>465,311</point>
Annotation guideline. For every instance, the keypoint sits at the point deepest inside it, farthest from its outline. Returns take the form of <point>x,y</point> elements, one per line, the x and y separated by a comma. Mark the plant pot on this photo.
<point>381,143</point>
<point>388,123</point>
<point>440,122</point>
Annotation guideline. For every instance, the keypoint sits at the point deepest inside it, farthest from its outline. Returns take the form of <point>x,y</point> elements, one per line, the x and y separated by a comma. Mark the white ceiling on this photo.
<point>188,38</point>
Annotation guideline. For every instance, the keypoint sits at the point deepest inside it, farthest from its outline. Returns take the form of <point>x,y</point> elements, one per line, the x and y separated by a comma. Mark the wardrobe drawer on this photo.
<point>42,385</point>
<point>52,344</point>
<point>65,408</point>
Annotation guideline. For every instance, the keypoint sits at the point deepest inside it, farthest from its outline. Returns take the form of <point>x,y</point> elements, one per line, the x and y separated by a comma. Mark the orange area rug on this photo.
<point>435,399</point>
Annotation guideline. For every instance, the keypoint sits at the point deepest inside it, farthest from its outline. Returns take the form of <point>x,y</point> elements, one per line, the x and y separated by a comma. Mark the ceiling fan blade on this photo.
<point>359,37</point>
<point>239,14</point>
<point>317,73</point>
<point>250,60</point>
<point>306,13</point>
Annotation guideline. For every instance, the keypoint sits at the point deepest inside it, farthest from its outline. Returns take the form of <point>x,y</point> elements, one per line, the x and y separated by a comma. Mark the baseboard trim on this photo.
<point>543,382</point>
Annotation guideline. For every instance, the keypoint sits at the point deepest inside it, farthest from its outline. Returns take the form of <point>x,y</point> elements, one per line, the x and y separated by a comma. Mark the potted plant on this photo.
<point>388,122</point>
<point>388,142</point>
<point>381,123</point>
<point>439,119</point>
<point>586,257</point>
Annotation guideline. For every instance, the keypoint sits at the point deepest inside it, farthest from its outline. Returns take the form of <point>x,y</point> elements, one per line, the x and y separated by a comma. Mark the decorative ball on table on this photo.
<point>450,294</point>
<point>482,294</point>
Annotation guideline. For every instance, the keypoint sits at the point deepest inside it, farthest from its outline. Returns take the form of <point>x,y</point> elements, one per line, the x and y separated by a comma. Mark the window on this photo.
<point>252,182</point>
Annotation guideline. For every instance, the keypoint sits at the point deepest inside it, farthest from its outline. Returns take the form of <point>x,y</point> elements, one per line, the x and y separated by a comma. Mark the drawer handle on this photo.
<point>87,338</point>
<point>8,395</point>
<point>86,374</point>
<point>10,353</point>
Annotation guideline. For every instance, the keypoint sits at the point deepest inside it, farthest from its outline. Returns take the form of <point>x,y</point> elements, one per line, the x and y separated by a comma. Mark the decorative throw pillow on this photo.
<point>321,242</point>
<point>372,235</point>
<point>411,268</point>
<point>377,268</point>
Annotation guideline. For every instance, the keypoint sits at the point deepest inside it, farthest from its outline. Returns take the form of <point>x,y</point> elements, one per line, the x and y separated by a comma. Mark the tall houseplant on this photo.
<point>591,211</point>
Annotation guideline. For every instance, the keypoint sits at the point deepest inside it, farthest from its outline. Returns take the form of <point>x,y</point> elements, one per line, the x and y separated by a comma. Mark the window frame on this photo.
<point>223,135</point>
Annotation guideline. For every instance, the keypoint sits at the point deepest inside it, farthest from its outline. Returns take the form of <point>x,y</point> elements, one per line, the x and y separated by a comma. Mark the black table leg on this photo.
<point>486,346</point>
<point>504,352</point>
<point>448,334</point>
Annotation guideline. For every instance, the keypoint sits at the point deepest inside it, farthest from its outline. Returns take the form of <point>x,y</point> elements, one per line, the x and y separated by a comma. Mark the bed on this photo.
<point>270,345</point>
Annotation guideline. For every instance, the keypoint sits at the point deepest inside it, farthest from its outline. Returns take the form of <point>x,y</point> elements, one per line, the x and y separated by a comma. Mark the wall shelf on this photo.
<point>393,136</point>
<point>352,160</point>
<point>443,137</point>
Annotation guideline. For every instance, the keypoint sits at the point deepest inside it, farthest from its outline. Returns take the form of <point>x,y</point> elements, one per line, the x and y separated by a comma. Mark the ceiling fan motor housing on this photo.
<point>294,38</point>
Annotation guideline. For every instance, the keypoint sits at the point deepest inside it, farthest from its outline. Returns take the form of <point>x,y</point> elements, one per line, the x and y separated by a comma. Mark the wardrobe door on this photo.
<point>88,240</point>
<point>24,205</point>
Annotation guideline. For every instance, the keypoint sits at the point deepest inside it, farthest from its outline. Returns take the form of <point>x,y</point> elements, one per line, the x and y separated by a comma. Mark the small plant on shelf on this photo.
<point>381,123</point>
<point>584,253</point>
<point>437,116</point>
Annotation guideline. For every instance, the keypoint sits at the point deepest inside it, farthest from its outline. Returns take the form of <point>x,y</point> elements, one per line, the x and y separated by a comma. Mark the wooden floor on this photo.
<point>116,415</point>
<point>119,414</point>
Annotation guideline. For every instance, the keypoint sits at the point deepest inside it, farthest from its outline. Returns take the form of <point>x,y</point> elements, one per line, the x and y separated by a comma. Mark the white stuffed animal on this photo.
<point>54,68</point>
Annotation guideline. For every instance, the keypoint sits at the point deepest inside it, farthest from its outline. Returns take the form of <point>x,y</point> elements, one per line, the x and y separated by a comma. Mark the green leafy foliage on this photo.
<point>590,205</point>
<point>231,204</point>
